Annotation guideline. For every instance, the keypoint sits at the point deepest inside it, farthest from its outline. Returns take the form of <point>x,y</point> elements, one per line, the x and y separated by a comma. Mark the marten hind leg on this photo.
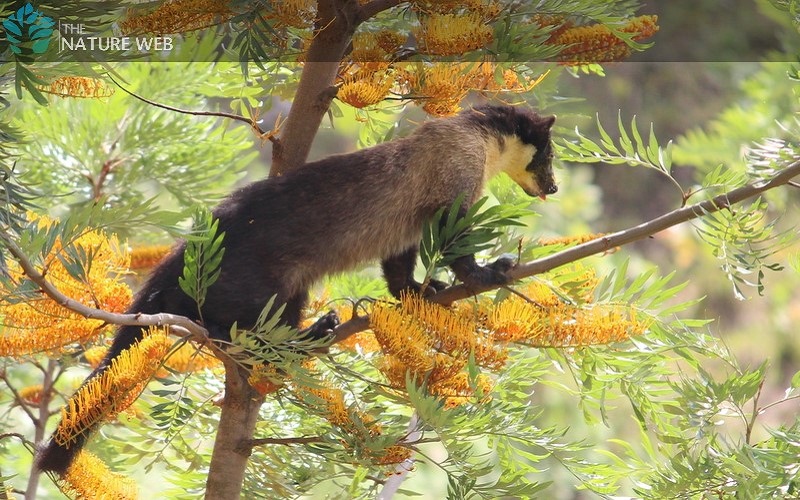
<point>398,271</point>
<point>292,314</point>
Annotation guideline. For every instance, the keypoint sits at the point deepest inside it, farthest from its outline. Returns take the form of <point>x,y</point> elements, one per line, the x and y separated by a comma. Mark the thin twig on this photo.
<point>218,114</point>
<point>393,483</point>
<point>285,441</point>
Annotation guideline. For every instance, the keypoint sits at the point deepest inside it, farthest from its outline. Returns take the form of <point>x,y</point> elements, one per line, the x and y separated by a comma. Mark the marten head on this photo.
<point>524,150</point>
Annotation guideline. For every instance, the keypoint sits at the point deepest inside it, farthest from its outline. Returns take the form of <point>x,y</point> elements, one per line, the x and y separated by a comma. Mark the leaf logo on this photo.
<point>28,30</point>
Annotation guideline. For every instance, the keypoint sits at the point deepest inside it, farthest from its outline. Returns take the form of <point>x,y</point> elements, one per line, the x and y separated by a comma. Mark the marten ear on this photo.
<point>549,121</point>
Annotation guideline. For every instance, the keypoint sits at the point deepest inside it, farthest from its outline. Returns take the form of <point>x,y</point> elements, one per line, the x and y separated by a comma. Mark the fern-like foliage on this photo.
<point>744,240</point>
<point>272,342</point>
<point>202,257</point>
<point>630,148</point>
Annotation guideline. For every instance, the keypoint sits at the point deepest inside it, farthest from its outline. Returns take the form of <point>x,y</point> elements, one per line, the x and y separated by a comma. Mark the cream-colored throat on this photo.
<point>510,155</point>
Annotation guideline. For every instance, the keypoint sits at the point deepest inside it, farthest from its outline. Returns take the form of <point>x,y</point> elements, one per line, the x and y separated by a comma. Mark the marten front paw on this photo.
<point>324,326</point>
<point>503,264</point>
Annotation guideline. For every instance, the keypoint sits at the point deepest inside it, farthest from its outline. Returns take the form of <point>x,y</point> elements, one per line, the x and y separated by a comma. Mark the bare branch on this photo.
<point>604,244</point>
<point>284,441</point>
<point>219,114</point>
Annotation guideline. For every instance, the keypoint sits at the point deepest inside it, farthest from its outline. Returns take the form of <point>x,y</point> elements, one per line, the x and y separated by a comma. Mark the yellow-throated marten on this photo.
<point>283,234</point>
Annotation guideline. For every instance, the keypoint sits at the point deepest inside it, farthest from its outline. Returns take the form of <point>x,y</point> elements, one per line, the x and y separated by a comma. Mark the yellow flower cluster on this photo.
<point>363,89</point>
<point>39,324</point>
<point>31,395</point>
<point>185,359</point>
<point>89,478</point>
<point>177,16</point>
<point>294,13</point>
<point>78,86</point>
<point>439,88</point>
<point>350,419</point>
<point>598,43</point>
<point>453,34</point>
<point>431,343</point>
<point>148,256</point>
<point>106,395</point>
<point>442,87</point>
<point>265,379</point>
<point>489,9</point>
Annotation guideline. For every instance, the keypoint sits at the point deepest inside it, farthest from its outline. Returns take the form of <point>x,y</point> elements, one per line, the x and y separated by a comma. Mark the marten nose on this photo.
<point>552,189</point>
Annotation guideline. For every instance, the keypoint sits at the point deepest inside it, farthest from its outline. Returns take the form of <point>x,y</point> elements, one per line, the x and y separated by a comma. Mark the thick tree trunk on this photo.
<point>336,22</point>
<point>236,427</point>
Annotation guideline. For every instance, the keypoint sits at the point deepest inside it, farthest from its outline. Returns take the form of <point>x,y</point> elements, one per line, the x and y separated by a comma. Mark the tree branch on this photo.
<point>181,325</point>
<point>601,245</point>
<point>333,31</point>
<point>377,6</point>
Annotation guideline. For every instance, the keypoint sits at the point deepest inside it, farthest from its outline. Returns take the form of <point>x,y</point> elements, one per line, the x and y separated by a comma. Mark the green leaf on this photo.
<point>202,257</point>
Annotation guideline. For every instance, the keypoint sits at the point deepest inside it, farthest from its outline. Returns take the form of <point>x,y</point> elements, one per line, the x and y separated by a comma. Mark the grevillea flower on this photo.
<point>189,358</point>
<point>453,34</point>
<point>265,379</point>
<point>31,395</point>
<point>178,16</point>
<point>39,324</point>
<point>148,256</point>
<point>432,344</point>
<point>364,89</point>
<point>95,354</point>
<point>598,43</point>
<point>89,478</point>
<point>488,8</point>
<point>106,395</point>
<point>367,48</point>
<point>78,86</point>
<point>441,86</point>
<point>295,13</point>
<point>570,240</point>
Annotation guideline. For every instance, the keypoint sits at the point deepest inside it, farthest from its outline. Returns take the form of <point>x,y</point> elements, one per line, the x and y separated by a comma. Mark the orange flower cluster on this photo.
<point>40,324</point>
<point>453,34</point>
<point>431,343</point>
<point>363,89</point>
<point>543,319</point>
<point>177,16</point>
<point>294,13</point>
<point>88,477</point>
<point>78,86</point>
<point>185,359</point>
<point>488,8</point>
<point>598,43</point>
<point>31,395</point>
<point>350,419</point>
<point>439,88</point>
<point>265,379</point>
<point>105,396</point>
<point>148,256</point>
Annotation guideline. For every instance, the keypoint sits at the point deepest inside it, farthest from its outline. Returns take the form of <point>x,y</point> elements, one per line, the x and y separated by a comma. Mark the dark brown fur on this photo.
<point>283,234</point>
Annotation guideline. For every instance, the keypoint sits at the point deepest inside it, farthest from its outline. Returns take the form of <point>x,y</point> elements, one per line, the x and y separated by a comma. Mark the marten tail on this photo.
<point>59,452</point>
